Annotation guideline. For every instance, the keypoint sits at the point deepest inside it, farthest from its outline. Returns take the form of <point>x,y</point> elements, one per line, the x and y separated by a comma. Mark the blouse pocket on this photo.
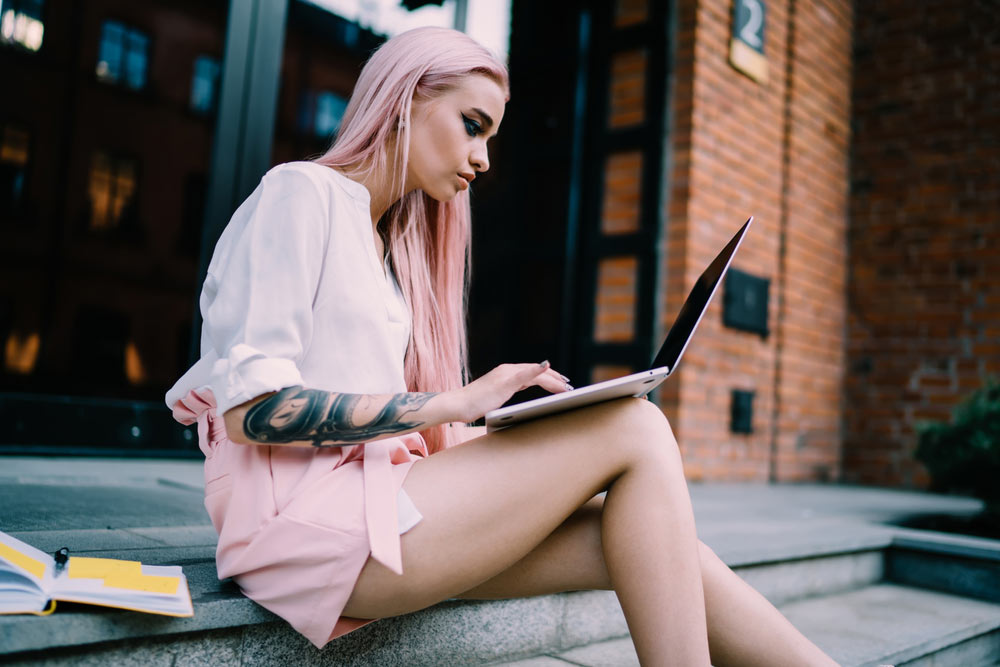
<point>217,495</point>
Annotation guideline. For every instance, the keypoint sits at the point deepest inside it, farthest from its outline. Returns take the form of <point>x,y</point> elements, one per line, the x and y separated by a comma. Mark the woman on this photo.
<point>329,398</point>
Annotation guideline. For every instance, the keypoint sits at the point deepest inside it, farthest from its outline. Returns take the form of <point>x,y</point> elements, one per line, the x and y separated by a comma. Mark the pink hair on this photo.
<point>429,241</point>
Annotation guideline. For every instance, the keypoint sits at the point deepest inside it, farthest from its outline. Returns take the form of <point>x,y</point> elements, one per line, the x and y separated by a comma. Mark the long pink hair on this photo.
<point>429,241</point>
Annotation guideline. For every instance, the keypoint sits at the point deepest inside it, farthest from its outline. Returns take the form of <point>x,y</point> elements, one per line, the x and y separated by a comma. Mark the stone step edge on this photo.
<point>802,573</point>
<point>980,649</point>
<point>883,609</point>
<point>494,633</point>
<point>937,648</point>
<point>779,581</point>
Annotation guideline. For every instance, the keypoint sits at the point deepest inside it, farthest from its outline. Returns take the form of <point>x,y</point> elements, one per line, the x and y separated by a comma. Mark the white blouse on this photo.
<point>297,295</point>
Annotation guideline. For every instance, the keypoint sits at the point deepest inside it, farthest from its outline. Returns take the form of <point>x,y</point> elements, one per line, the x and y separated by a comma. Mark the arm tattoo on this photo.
<point>296,413</point>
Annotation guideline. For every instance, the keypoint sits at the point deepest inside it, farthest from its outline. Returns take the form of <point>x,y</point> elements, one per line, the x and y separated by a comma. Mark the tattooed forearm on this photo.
<point>325,418</point>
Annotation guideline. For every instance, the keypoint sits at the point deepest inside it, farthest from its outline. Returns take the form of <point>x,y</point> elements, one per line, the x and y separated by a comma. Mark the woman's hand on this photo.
<point>496,387</point>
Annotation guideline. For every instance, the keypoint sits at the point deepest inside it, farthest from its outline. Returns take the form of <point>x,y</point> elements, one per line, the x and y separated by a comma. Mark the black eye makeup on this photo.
<point>471,126</point>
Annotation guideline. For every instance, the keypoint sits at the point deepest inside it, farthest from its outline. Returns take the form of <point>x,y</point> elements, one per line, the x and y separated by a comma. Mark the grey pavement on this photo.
<point>67,493</point>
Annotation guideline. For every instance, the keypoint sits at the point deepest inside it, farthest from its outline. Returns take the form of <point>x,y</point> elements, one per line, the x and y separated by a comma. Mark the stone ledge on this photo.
<point>453,632</point>
<point>564,621</point>
<point>840,559</point>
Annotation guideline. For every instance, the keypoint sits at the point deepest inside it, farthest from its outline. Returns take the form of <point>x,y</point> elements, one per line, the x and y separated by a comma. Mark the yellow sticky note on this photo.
<point>27,563</point>
<point>143,582</point>
<point>101,568</point>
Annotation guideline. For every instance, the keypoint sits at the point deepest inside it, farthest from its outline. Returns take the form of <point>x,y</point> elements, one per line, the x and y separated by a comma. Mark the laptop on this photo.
<point>636,384</point>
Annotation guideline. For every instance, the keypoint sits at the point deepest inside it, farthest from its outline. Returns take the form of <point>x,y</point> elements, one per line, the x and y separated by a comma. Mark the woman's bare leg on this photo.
<point>746,629</point>
<point>488,503</point>
<point>570,559</point>
<point>743,627</point>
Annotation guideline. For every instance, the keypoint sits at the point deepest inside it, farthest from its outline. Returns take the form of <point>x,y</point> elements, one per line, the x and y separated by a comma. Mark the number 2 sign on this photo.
<point>746,47</point>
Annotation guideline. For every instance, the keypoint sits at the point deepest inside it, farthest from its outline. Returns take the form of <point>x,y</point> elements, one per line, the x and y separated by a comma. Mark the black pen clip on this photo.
<point>61,557</point>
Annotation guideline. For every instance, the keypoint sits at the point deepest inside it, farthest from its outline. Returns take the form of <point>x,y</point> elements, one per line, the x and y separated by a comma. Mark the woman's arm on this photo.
<point>311,417</point>
<point>302,417</point>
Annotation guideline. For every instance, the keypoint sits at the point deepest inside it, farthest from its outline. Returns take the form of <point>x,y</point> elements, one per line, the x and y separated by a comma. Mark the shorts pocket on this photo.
<point>217,494</point>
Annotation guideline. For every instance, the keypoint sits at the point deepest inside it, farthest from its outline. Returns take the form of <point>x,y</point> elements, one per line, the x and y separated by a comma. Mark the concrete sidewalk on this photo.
<point>733,516</point>
<point>152,510</point>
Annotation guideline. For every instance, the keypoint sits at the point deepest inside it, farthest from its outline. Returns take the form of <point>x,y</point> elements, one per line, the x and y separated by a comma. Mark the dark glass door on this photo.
<point>107,122</point>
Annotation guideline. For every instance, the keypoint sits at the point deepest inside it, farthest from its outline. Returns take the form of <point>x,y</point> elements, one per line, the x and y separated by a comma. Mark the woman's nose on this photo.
<point>480,159</point>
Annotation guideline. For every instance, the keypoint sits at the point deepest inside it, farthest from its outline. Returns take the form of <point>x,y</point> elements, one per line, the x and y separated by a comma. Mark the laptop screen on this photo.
<point>694,307</point>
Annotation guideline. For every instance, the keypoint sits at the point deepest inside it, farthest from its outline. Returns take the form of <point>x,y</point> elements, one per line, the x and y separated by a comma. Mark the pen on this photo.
<point>61,557</point>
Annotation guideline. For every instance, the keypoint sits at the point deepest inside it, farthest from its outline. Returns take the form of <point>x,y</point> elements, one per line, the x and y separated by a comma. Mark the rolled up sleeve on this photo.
<point>258,298</point>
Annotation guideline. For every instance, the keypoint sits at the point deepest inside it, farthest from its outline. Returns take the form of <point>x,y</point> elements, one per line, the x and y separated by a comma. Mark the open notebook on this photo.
<point>31,581</point>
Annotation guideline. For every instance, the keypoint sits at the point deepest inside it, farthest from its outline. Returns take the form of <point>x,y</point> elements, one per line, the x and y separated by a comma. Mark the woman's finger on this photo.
<point>529,372</point>
<point>551,382</point>
<point>558,376</point>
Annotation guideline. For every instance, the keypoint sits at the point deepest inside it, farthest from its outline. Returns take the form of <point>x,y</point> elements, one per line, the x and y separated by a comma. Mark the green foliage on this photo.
<point>964,456</point>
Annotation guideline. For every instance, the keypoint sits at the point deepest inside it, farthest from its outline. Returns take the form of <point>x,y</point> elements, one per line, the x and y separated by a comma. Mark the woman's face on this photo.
<point>448,137</point>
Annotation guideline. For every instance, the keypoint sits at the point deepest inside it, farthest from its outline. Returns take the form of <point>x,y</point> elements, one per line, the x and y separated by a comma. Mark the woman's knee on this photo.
<point>641,428</point>
<point>622,434</point>
<point>709,559</point>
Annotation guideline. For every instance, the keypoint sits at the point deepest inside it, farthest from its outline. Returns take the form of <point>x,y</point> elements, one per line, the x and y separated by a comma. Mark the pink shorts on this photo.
<point>296,525</point>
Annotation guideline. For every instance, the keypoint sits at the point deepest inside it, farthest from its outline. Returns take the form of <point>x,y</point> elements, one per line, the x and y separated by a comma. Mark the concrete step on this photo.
<point>883,624</point>
<point>474,631</point>
<point>832,596</point>
<point>900,625</point>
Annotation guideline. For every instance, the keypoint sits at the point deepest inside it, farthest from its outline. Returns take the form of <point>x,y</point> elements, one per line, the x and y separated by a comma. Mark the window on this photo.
<point>21,23</point>
<point>205,84</point>
<point>112,191</point>
<point>330,109</point>
<point>21,352</point>
<point>18,347</point>
<point>320,113</point>
<point>124,55</point>
<point>14,151</point>
<point>86,219</point>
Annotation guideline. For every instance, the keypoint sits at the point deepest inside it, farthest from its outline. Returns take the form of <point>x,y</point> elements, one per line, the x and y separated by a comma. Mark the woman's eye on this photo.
<point>471,126</point>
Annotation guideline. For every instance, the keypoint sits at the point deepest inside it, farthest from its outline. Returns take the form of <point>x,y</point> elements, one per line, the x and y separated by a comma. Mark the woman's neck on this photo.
<point>380,189</point>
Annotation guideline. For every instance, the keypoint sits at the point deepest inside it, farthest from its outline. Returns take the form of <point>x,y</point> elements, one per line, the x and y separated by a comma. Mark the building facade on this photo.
<point>639,137</point>
<point>864,141</point>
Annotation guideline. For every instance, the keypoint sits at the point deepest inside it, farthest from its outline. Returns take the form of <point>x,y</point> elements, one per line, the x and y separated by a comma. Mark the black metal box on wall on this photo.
<point>744,302</point>
<point>741,412</point>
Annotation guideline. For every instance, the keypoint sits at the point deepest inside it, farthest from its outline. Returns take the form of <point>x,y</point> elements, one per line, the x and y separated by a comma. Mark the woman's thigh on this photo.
<point>488,503</point>
<point>571,558</point>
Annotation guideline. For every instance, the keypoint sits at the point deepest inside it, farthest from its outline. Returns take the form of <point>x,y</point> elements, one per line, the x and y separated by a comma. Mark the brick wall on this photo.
<point>924,293</point>
<point>811,324</point>
<point>777,150</point>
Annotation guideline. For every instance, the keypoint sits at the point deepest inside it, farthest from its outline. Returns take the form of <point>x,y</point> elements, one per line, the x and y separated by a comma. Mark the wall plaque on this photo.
<point>746,47</point>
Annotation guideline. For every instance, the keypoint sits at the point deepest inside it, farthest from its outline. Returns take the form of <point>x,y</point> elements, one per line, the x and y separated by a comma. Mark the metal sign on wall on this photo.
<point>746,46</point>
